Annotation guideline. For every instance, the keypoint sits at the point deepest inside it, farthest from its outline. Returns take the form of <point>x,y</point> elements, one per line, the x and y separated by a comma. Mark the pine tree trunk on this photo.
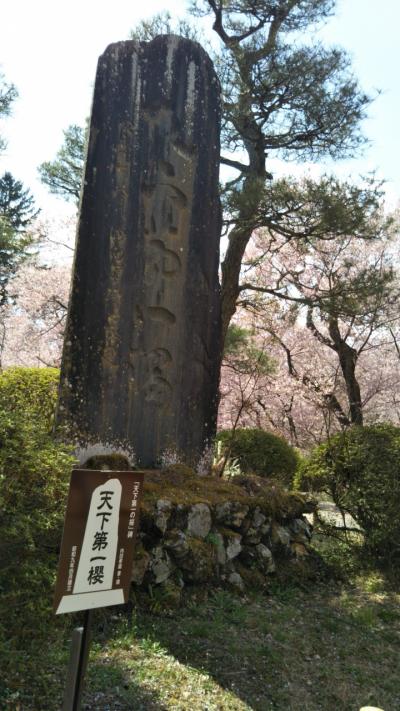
<point>348,361</point>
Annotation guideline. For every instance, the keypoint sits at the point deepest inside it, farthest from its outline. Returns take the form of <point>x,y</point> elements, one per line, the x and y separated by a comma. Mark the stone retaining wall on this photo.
<point>225,543</point>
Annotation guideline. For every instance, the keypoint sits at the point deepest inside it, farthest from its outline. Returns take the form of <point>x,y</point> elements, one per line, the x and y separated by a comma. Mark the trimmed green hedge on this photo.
<point>34,477</point>
<point>360,470</point>
<point>30,392</point>
<point>260,452</point>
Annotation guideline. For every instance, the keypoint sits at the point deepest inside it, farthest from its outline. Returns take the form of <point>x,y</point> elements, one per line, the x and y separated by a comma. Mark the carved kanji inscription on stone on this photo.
<point>142,349</point>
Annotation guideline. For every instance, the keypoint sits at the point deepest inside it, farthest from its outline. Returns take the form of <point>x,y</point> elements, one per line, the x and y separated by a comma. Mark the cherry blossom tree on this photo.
<point>339,277</point>
<point>32,321</point>
<point>303,396</point>
<point>324,305</point>
<point>32,328</point>
<point>288,399</point>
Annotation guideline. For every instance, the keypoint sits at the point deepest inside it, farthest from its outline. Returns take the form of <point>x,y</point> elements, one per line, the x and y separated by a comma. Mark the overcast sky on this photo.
<point>49,49</point>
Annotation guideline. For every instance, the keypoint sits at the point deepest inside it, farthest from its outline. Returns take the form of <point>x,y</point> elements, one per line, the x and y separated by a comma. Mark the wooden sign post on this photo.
<point>96,556</point>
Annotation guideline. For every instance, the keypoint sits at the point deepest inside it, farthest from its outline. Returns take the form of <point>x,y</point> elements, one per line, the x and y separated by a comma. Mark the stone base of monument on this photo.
<point>200,532</point>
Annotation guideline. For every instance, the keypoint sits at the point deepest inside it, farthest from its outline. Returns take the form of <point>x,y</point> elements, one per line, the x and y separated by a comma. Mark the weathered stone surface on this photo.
<point>140,565</point>
<point>236,581</point>
<point>178,554</point>
<point>220,548</point>
<point>256,527</point>
<point>258,518</point>
<point>265,529</point>
<point>161,565</point>
<point>265,558</point>
<point>199,520</point>
<point>176,543</point>
<point>233,547</point>
<point>180,517</point>
<point>200,564</point>
<point>253,535</point>
<point>280,535</point>
<point>142,348</point>
<point>162,514</point>
<point>300,530</point>
<point>231,513</point>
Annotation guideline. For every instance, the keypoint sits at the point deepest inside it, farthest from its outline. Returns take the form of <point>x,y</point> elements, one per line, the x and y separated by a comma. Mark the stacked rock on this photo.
<point>229,543</point>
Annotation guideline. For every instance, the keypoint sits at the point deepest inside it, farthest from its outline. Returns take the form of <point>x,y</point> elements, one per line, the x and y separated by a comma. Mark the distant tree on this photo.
<point>17,205</point>
<point>304,397</point>
<point>14,250</point>
<point>8,94</point>
<point>16,210</point>
<point>339,276</point>
<point>32,329</point>
<point>63,176</point>
<point>246,372</point>
<point>284,95</point>
<point>32,322</point>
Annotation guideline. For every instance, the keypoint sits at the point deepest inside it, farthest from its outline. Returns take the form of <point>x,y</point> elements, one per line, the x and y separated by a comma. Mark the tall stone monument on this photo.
<point>142,348</point>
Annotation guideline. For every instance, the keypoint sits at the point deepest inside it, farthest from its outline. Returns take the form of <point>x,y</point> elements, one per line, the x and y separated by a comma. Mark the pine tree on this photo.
<point>17,205</point>
<point>63,176</point>
<point>285,95</point>
<point>8,94</point>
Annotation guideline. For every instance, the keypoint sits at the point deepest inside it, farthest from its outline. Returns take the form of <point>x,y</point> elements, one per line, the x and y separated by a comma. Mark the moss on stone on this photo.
<point>181,485</point>
<point>227,533</point>
<point>168,594</point>
<point>200,563</point>
<point>114,462</point>
<point>253,578</point>
<point>140,551</point>
<point>181,469</point>
<point>201,547</point>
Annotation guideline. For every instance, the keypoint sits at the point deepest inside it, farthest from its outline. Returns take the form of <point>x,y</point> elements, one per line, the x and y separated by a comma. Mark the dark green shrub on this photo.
<point>360,470</point>
<point>31,392</point>
<point>260,452</point>
<point>34,476</point>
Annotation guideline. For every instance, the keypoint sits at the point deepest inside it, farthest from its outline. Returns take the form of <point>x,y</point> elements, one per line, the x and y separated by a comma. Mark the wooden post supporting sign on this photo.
<point>96,556</point>
<point>77,665</point>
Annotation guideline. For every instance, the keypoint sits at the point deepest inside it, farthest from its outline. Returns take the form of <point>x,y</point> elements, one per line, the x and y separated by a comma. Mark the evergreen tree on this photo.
<point>284,95</point>
<point>17,205</point>
<point>63,176</point>
<point>8,93</point>
<point>14,250</point>
<point>16,210</point>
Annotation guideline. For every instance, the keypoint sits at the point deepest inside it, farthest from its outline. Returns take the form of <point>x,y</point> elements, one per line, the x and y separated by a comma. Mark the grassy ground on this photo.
<point>334,649</point>
<point>328,649</point>
<point>327,646</point>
